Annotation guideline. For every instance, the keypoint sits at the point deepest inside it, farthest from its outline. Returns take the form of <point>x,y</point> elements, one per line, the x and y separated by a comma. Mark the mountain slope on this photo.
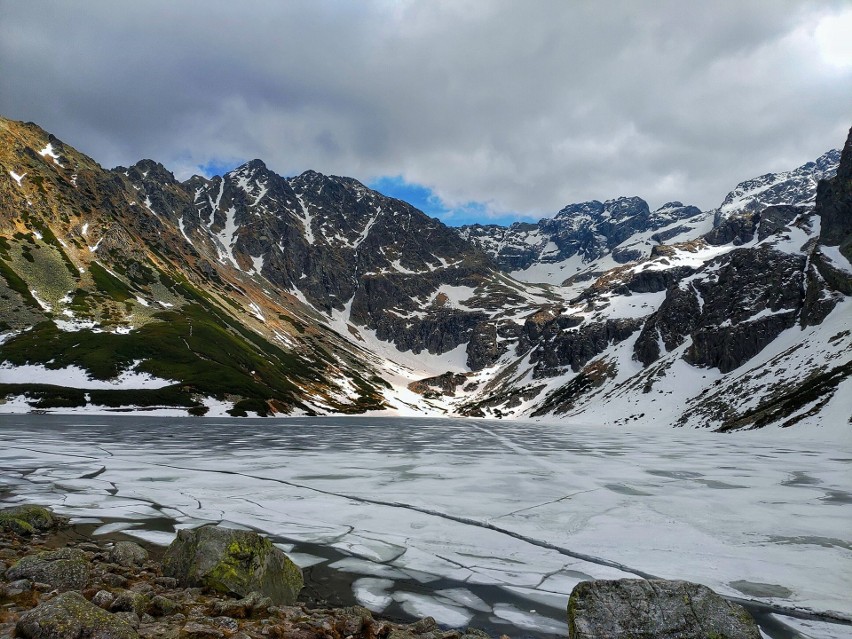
<point>98,284</point>
<point>254,293</point>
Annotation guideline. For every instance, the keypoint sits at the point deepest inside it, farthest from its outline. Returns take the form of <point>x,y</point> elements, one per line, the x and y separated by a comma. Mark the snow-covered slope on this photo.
<point>796,187</point>
<point>251,292</point>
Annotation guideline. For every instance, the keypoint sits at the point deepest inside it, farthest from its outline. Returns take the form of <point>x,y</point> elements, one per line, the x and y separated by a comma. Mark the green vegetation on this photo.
<point>17,284</point>
<point>109,283</point>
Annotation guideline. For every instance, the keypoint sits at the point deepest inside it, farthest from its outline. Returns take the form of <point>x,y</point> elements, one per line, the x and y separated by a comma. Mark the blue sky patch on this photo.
<point>425,199</point>
<point>219,167</point>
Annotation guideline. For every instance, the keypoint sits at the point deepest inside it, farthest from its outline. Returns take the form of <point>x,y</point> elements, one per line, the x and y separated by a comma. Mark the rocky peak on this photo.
<point>797,187</point>
<point>150,171</point>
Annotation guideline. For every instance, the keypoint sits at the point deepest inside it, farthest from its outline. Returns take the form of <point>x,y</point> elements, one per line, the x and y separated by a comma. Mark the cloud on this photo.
<point>521,107</point>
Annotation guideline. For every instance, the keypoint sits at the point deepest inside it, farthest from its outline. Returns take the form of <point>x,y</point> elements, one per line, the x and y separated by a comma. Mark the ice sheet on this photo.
<point>527,509</point>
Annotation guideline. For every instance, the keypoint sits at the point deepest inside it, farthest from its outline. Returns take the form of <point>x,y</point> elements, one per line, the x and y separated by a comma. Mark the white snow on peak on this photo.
<point>255,310</point>
<point>226,236</point>
<point>367,228</point>
<point>262,190</point>
<point>183,229</point>
<point>306,220</point>
<point>17,177</point>
<point>50,152</point>
<point>147,204</point>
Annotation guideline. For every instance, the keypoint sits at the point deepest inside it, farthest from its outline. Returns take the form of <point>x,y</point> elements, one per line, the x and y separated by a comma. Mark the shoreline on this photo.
<point>325,587</point>
<point>158,607</point>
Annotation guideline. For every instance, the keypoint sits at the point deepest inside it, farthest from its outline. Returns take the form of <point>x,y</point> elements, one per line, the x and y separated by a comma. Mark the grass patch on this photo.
<point>18,285</point>
<point>109,284</point>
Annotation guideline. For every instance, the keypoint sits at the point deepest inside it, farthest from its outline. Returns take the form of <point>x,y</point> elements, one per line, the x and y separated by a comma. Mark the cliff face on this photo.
<point>834,207</point>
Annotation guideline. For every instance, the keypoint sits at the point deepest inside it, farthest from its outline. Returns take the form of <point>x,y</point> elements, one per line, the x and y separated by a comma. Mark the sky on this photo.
<point>473,110</point>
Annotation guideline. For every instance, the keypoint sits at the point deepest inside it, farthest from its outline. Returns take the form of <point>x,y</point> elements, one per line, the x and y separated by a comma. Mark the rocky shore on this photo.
<point>222,583</point>
<point>55,584</point>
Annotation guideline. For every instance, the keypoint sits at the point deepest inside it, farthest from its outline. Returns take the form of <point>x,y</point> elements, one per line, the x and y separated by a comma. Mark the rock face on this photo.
<point>655,609</point>
<point>834,206</point>
<point>725,332</point>
<point>64,569</point>
<point>232,561</point>
<point>69,615</point>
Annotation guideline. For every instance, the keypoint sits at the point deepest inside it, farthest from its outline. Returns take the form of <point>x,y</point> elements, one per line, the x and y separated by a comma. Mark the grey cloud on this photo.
<point>524,106</point>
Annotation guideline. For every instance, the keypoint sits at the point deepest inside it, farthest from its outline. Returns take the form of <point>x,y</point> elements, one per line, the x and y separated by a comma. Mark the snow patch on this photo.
<point>75,377</point>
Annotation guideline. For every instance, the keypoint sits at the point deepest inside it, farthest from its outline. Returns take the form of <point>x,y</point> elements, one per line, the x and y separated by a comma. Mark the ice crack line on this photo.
<point>546,503</point>
<point>750,603</point>
<point>433,513</point>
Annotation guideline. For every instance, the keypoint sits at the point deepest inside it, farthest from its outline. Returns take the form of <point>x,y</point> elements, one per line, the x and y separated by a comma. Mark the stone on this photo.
<point>234,562</point>
<point>70,615</point>
<point>161,606</point>
<point>116,581</point>
<point>195,630</point>
<point>64,569</point>
<point>654,609</point>
<point>242,608</point>
<point>166,582</point>
<point>160,630</point>
<point>129,616</point>
<point>103,599</point>
<point>128,554</point>
<point>128,600</point>
<point>28,520</point>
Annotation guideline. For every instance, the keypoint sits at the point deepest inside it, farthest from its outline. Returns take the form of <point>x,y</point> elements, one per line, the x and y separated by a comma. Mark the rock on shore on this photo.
<point>235,562</point>
<point>654,609</point>
<point>102,590</point>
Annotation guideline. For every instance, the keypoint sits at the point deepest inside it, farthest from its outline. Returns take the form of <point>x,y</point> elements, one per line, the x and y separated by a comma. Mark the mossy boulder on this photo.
<point>69,615</point>
<point>64,569</point>
<point>235,562</point>
<point>654,609</point>
<point>29,520</point>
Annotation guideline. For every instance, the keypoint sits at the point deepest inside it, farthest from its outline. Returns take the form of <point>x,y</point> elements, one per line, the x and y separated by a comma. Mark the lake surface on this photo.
<point>473,522</point>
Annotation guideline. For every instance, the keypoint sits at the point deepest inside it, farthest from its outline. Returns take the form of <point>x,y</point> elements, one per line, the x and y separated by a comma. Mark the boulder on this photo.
<point>63,569</point>
<point>28,520</point>
<point>128,554</point>
<point>70,615</point>
<point>235,562</point>
<point>654,609</point>
<point>129,601</point>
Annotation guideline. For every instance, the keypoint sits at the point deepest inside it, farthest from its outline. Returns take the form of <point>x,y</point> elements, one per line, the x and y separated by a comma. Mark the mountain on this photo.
<point>254,293</point>
<point>584,240</point>
<point>571,247</point>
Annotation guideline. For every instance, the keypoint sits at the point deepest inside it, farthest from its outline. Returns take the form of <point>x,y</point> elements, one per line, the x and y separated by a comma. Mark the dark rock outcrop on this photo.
<point>445,384</point>
<point>742,302</point>
<point>232,561</point>
<point>560,349</point>
<point>834,206</point>
<point>655,609</point>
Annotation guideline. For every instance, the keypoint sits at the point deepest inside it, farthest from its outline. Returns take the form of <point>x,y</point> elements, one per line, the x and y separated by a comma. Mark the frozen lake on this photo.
<point>473,522</point>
